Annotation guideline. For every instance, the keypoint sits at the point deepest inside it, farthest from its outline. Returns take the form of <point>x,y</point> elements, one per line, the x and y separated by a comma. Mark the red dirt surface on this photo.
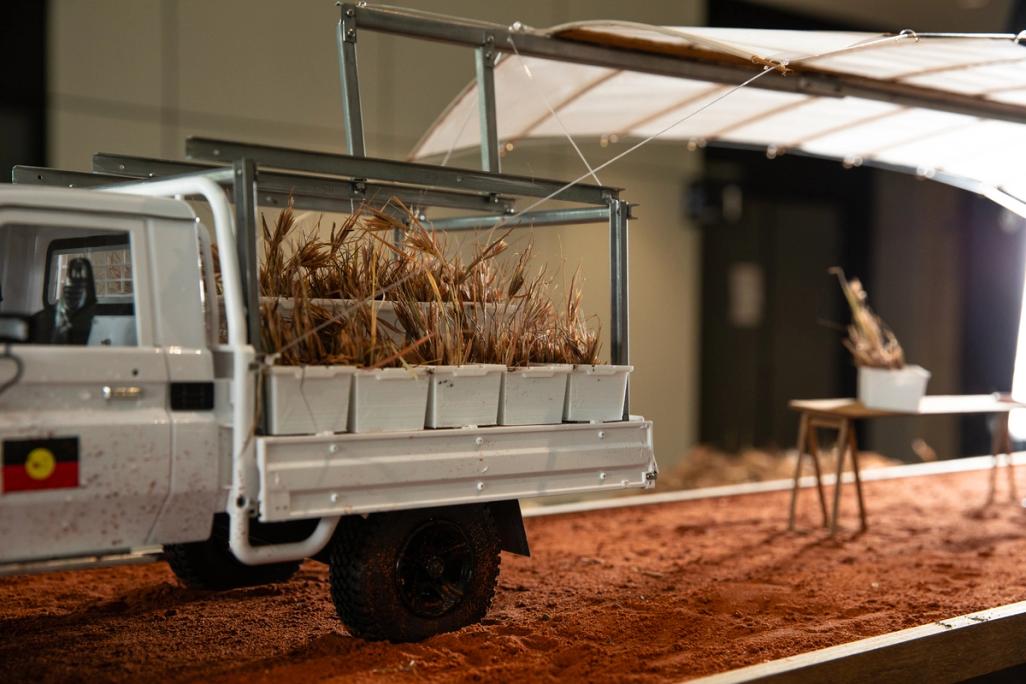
<point>644,594</point>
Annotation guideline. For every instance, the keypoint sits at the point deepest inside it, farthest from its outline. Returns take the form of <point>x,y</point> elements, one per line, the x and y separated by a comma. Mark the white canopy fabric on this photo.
<point>613,104</point>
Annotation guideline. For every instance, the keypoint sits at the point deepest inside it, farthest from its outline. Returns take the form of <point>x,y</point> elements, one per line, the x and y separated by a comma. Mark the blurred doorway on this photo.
<point>771,315</point>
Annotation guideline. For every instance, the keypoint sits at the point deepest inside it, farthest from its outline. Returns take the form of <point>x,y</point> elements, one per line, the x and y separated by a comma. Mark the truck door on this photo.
<point>84,429</point>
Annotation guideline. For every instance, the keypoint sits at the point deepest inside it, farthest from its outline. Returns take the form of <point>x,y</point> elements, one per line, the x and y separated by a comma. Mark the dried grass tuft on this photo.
<point>870,341</point>
<point>447,311</point>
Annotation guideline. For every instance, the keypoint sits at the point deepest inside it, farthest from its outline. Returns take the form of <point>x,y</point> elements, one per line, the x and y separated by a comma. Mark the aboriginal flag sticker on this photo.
<point>34,464</point>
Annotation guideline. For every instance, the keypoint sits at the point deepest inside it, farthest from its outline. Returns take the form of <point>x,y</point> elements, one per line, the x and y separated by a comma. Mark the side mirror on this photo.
<point>15,328</point>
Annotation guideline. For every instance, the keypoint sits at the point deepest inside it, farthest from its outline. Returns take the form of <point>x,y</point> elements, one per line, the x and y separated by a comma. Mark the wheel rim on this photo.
<point>434,568</point>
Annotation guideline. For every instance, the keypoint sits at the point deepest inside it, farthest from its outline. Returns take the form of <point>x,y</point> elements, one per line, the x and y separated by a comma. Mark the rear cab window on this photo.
<point>73,286</point>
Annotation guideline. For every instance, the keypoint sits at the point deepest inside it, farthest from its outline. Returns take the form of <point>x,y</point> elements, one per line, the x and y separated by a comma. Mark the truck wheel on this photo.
<point>409,575</point>
<point>210,564</point>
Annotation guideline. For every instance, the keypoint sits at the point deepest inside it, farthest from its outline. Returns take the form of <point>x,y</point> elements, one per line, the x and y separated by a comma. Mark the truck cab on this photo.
<point>109,437</point>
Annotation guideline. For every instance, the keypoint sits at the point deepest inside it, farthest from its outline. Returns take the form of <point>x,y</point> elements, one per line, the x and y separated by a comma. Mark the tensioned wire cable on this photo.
<point>553,112</point>
<point>633,148</point>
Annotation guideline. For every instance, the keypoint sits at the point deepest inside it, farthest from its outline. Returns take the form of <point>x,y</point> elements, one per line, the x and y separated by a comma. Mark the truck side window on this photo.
<point>89,296</point>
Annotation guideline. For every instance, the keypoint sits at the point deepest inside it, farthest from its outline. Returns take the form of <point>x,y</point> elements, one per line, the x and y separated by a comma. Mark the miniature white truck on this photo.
<point>125,425</point>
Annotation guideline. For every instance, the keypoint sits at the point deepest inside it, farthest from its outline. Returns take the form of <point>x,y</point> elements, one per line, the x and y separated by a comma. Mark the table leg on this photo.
<point>1006,446</point>
<point>995,448</point>
<point>854,445</point>
<point>842,450</point>
<point>803,431</point>
<point>814,451</point>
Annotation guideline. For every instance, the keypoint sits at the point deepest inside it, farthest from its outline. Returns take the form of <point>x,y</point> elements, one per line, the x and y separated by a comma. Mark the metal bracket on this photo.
<point>348,24</point>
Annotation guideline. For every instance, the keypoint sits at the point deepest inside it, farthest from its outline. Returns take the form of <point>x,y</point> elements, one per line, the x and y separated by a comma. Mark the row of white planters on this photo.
<point>315,399</point>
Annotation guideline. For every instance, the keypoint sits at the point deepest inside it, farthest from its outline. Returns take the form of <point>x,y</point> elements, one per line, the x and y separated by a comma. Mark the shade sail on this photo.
<point>941,105</point>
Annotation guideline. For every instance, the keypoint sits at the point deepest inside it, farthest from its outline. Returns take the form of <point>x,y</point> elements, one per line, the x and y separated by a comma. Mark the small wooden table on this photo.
<point>841,414</point>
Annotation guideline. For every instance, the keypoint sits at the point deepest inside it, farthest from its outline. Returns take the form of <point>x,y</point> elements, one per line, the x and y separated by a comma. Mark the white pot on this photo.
<point>461,396</point>
<point>535,395</point>
<point>596,394</point>
<point>388,400</point>
<point>308,399</point>
<point>893,389</point>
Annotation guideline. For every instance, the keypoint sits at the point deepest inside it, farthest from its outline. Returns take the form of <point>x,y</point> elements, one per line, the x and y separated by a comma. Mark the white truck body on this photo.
<point>154,466</point>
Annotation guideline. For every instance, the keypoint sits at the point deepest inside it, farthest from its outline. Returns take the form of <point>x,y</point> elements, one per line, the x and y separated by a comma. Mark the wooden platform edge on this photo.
<point>950,650</point>
<point>954,465</point>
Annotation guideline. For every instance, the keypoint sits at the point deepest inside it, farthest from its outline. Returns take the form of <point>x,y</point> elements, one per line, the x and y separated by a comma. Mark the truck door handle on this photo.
<point>130,392</point>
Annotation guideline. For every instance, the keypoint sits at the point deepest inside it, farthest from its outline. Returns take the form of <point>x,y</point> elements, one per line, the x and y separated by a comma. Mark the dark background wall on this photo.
<point>23,84</point>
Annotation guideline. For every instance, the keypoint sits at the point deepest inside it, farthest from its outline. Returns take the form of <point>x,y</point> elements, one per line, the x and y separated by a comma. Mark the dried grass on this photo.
<point>870,341</point>
<point>449,311</point>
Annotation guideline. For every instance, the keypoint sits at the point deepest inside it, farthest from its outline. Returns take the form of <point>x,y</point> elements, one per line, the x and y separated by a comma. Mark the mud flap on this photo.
<point>512,535</point>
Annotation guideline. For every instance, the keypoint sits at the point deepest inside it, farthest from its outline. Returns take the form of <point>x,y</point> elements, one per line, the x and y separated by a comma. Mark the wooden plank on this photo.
<point>949,650</point>
<point>937,404</point>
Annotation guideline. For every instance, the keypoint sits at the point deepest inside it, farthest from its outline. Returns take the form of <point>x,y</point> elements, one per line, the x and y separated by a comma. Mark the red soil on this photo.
<point>646,594</point>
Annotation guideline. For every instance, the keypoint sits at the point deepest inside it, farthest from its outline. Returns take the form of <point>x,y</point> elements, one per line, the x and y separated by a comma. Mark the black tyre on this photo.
<point>210,564</point>
<point>409,575</point>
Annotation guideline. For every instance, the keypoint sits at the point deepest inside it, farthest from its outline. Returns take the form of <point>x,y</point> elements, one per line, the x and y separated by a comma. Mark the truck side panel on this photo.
<point>94,471</point>
<point>324,475</point>
<point>194,492</point>
<point>186,332</point>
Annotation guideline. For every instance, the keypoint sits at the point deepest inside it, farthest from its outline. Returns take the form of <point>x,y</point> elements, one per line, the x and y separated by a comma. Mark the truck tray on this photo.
<point>339,474</point>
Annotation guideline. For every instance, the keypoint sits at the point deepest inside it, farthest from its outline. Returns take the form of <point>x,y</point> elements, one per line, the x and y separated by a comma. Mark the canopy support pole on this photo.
<point>484,62</point>
<point>619,215</point>
<point>352,110</point>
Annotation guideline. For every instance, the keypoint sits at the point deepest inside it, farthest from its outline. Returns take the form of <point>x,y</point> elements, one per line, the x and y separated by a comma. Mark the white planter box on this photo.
<point>893,389</point>
<point>308,399</point>
<point>535,395</point>
<point>462,396</point>
<point>596,394</point>
<point>388,400</point>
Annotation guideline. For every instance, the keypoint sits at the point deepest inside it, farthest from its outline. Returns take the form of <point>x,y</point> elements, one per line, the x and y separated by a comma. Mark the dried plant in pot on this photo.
<point>526,338</point>
<point>885,381</point>
<point>389,394</point>
<point>446,306</point>
<point>596,392</point>
<point>303,398</point>
<point>334,363</point>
